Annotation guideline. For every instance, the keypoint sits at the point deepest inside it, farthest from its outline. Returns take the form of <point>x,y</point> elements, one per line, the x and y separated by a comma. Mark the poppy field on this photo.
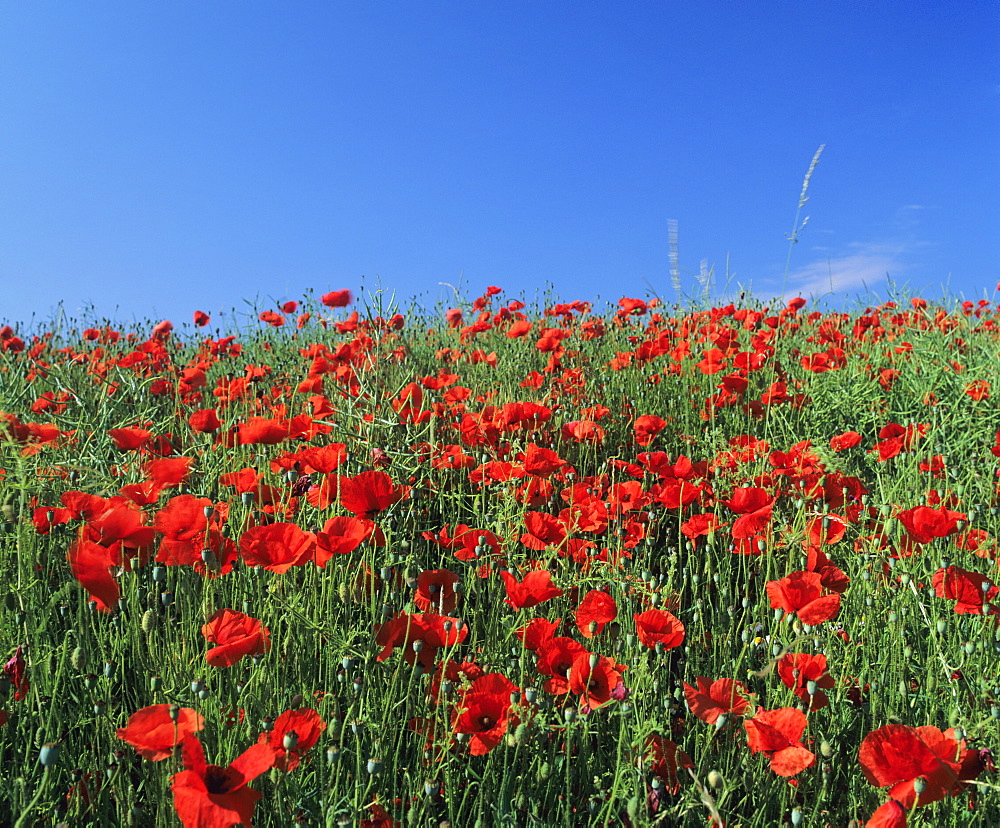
<point>349,563</point>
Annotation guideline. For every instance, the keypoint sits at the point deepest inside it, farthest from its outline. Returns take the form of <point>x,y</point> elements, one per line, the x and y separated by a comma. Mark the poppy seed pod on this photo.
<point>49,754</point>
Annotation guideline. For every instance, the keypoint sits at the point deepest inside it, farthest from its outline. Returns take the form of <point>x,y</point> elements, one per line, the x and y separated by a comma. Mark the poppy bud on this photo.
<point>290,741</point>
<point>78,658</point>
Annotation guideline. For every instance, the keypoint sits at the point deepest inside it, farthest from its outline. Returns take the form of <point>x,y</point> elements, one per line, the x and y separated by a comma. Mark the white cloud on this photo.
<point>866,266</point>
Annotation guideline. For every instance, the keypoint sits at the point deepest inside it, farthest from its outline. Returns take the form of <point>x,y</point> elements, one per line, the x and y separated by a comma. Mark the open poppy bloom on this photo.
<point>368,493</point>
<point>236,635</point>
<point>647,427</point>
<point>594,683</point>
<point>664,758</point>
<point>797,670</point>
<point>432,631</point>
<point>91,565</point>
<point>154,732</point>
<point>596,610</point>
<point>485,717</point>
<point>897,756</point>
<point>778,733</point>
<point>209,796</point>
<point>924,523</point>
<point>803,594</point>
<point>342,535</point>
<point>970,590</point>
<point>536,587</point>
<point>291,735</point>
<point>556,657</point>
<point>711,700</point>
<point>656,626</point>
<point>277,546</point>
<point>336,298</point>
<point>754,505</point>
<point>888,815</point>
<point>436,591</point>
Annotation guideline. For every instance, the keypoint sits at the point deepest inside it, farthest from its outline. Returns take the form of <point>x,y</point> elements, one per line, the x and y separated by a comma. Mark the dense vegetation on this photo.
<point>502,566</point>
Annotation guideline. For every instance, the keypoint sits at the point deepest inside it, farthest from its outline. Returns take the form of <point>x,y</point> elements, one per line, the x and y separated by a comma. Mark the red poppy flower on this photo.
<point>897,755</point>
<point>182,520</point>
<point>970,590</point>
<point>664,757</point>
<point>341,536</point>
<point>595,611</point>
<point>555,658</point>
<point>277,546</point>
<point>485,718</point>
<point>647,427</point>
<point>537,632</point>
<point>656,626</point>
<point>154,732</point>
<point>368,493</point>
<point>754,506</point>
<point>436,591</point>
<point>433,631</point>
<point>91,565</point>
<point>888,815</point>
<point>336,298</point>
<point>45,517</point>
<point>536,587</point>
<point>291,735</point>
<point>797,670</point>
<point>544,530</point>
<point>129,439</point>
<point>204,421</point>
<point>236,635</point>
<point>169,471</point>
<point>380,818</point>
<point>267,431</point>
<point>700,525</point>
<point>16,672</point>
<point>711,700</point>
<point>209,796</point>
<point>777,733</point>
<point>849,439</point>
<point>201,319</point>
<point>583,431</point>
<point>803,594</point>
<point>593,682</point>
<point>924,523</point>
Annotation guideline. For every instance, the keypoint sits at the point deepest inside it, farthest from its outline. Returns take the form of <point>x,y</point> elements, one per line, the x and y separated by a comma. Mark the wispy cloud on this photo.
<point>864,265</point>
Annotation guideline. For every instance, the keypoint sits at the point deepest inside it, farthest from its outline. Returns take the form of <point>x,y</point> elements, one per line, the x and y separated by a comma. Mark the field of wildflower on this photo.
<point>354,564</point>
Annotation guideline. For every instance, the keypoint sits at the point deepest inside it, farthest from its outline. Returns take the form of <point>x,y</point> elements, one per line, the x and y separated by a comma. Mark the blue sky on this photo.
<point>164,158</point>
